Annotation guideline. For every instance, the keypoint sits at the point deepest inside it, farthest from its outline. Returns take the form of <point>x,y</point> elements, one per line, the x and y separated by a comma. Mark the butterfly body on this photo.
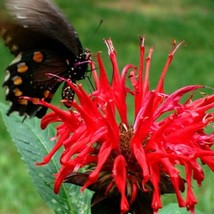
<point>43,43</point>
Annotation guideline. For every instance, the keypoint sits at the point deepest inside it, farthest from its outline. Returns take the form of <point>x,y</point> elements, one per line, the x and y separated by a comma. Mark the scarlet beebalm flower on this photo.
<point>130,164</point>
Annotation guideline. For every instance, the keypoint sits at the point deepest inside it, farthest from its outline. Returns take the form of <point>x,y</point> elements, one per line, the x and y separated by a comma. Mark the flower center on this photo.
<point>126,134</point>
<point>125,137</point>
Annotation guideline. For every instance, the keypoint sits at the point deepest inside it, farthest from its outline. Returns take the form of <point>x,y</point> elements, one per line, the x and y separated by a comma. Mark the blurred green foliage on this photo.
<point>161,21</point>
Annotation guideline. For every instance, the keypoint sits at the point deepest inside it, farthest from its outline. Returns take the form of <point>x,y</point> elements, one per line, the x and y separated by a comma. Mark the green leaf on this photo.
<point>33,144</point>
<point>173,208</point>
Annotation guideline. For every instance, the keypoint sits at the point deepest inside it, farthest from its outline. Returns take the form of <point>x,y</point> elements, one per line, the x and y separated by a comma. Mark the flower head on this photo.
<point>130,164</point>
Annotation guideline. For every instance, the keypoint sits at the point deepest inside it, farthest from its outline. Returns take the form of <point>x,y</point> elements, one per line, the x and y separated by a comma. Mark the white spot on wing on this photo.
<point>21,17</point>
<point>7,75</point>
<point>8,39</point>
<point>67,62</point>
<point>17,59</point>
<point>18,8</point>
<point>7,91</point>
<point>14,48</point>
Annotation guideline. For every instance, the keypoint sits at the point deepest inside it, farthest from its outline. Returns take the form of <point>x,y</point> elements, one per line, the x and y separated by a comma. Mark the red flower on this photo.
<point>132,164</point>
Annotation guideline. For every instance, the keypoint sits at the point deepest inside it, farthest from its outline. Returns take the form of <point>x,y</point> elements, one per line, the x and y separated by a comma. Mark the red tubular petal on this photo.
<point>116,74</point>
<point>141,63</point>
<point>146,77</point>
<point>119,174</point>
<point>103,81</point>
<point>139,154</point>
<point>184,134</point>
<point>56,147</point>
<point>155,179</point>
<point>60,176</point>
<point>191,200</point>
<point>49,118</point>
<point>172,101</point>
<point>134,193</point>
<point>104,153</point>
<point>138,87</point>
<point>174,175</point>
<point>160,85</point>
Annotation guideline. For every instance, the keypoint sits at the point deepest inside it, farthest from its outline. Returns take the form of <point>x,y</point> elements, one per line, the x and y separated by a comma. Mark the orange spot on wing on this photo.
<point>17,80</point>
<point>22,67</point>
<point>23,101</point>
<point>46,94</point>
<point>17,92</point>
<point>38,57</point>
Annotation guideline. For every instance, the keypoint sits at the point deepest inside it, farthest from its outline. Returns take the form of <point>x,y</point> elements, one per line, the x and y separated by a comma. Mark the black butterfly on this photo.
<point>43,42</point>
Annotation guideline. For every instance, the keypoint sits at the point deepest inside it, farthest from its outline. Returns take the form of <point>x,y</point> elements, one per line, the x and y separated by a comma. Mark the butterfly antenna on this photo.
<point>96,30</point>
<point>88,77</point>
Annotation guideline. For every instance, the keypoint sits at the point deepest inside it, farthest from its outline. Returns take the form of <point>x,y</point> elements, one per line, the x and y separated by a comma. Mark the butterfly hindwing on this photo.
<point>29,75</point>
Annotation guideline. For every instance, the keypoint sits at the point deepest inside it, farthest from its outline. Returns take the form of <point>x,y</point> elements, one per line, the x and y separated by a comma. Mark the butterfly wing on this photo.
<point>39,30</point>
<point>28,75</point>
<point>40,19</point>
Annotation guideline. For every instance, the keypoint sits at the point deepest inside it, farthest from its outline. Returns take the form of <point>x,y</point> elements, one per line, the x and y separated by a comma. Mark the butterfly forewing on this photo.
<point>42,17</point>
<point>43,42</point>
